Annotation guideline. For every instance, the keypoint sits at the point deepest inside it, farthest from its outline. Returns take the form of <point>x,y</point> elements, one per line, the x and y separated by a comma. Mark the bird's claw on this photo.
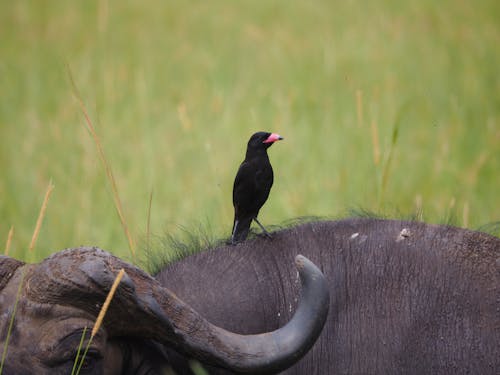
<point>266,234</point>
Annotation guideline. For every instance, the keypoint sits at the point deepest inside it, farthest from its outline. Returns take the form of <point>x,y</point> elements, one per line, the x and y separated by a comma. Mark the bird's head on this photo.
<point>263,139</point>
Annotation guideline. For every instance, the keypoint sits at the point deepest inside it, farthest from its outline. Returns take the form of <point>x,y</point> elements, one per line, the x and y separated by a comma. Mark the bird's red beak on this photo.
<point>273,138</point>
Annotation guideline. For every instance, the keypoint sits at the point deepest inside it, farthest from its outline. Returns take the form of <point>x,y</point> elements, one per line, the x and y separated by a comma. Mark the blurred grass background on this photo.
<point>385,105</point>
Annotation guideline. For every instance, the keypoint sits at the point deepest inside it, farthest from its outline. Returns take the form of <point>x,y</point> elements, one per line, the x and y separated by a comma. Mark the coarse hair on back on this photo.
<point>162,250</point>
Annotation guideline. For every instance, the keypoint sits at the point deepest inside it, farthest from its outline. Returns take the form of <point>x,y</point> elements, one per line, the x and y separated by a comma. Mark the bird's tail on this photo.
<point>241,227</point>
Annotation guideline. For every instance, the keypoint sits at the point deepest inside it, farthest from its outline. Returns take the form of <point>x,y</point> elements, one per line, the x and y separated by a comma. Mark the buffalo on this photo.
<point>405,297</point>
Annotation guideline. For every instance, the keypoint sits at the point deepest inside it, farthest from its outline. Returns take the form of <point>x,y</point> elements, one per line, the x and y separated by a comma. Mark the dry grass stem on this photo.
<point>419,207</point>
<point>9,240</point>
<point>465,215</point>
<point>183,117</point>
<point>453,201</point>
<point>79,360</point>
<point>473,172</point>
<point>41,215</point>
<point>375,143</point>
<point>105,306</point>
<point>107,167</point>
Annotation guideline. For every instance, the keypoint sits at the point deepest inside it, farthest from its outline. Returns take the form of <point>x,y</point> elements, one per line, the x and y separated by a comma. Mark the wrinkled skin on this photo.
<point>406,298</point>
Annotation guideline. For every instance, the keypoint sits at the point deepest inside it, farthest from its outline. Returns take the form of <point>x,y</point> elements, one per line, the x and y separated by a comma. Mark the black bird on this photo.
<point>252,184</point>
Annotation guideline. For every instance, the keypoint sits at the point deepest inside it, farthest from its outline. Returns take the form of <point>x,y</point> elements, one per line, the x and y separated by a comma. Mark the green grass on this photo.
<point>174,90</point>
<point>11,322</point>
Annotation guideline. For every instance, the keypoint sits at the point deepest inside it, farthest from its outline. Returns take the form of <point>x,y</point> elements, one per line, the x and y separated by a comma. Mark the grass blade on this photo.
<point>83,356</point>
<point>106,165</point>
<point>392,147</point>
<point>11,323</point>
<point>105,306</point>
<point>78,351</point>
<point>375,143</point>
<point>98,322</point>
<point>41,215</point>
<point>9,240</point>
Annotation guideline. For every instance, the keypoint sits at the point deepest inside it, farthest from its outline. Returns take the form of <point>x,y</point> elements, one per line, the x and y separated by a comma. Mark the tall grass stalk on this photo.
<point>105,163</point>
<point>375,143</point>
<point>98,322</point>
<point>105,307</point>
<point>184,117</point>
<point>392,147</point>
<point>419,211</point>
<point>80,345</point>
<point>11,323</point>
<point>465,215</point>
<point>81,360</point>
<point>41,215</point>
<point>473,172</point>
<point>9,240</point>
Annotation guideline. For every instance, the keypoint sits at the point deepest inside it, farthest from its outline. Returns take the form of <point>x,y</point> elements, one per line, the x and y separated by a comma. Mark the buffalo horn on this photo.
<point>143,308</point>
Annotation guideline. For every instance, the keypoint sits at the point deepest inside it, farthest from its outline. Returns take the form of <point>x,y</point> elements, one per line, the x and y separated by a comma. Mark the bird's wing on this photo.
<point>245,185</point>
<point>252,185</point>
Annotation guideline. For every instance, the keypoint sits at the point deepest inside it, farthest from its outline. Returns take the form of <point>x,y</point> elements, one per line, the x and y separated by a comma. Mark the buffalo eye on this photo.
<point>88,364</point>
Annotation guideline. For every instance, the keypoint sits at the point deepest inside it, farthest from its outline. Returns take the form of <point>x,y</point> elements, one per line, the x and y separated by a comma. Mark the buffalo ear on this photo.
<point>8,266</point>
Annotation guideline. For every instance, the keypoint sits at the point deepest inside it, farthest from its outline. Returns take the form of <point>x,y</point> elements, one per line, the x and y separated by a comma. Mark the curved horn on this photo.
<point>142,307</point>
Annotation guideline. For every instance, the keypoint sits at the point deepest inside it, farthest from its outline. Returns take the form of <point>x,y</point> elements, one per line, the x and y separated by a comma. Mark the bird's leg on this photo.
<point>263,229</point>
<point>233,242</point>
